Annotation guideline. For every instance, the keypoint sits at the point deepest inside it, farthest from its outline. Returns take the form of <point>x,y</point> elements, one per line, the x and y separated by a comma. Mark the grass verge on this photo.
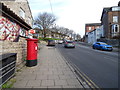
<point>9,84</point>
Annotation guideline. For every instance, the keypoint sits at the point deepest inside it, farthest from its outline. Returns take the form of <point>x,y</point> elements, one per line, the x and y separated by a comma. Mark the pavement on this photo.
<point>52,71</point>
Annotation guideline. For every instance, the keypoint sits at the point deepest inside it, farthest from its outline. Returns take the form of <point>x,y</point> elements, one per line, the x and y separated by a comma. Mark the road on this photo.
<point>99,66</point>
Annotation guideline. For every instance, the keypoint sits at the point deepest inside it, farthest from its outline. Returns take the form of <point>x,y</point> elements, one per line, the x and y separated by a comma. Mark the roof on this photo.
<point>9,13</point>
<point>108,9</point>
<point>30,9</point>
<point>91,31</point>
<point>104,11</point>
<point>93,24</point>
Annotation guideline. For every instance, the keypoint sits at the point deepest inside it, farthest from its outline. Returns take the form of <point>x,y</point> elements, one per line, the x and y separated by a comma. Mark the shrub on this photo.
<point>46,39</point>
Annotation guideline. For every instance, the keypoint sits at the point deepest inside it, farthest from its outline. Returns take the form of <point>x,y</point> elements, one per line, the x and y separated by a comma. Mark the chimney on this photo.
<point>119,3</point>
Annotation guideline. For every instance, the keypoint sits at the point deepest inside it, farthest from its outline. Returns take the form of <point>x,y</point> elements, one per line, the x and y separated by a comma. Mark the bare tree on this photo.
<point>78,37</point>
<point>45,20</point>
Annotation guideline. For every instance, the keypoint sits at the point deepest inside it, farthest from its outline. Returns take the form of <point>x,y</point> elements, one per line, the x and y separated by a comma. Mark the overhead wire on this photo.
<point>51,6</point>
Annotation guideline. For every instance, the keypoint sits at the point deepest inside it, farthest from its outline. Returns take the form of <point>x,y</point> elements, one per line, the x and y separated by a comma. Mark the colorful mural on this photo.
<point>9,30</point>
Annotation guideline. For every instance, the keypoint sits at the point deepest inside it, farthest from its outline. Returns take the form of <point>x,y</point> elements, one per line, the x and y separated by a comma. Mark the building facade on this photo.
<point>20,8</point>
<point>110,22</point>
<point>89,28</point>
<point>15,21</point>
<point>95,35</point>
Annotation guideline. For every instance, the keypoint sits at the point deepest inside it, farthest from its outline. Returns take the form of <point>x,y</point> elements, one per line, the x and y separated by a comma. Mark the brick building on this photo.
<point>89,28</point>
<point>110,22</point>
<point>15,21</point>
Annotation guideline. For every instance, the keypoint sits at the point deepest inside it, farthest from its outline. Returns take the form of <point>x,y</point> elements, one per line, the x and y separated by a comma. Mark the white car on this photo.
<point>60,41</point>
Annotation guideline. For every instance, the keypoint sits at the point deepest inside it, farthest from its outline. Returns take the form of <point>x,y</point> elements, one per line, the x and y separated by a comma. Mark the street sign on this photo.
<point>32,31</point>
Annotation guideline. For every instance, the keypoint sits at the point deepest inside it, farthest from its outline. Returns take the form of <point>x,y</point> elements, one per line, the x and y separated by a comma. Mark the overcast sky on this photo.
<point>72,14</point>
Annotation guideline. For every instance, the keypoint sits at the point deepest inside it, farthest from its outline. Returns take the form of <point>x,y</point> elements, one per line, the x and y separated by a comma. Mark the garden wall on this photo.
<point>15,47</point>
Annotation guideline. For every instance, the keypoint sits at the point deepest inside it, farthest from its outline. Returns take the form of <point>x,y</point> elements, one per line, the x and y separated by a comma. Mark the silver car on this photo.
<point>51,43</point>
<point>69,44</point>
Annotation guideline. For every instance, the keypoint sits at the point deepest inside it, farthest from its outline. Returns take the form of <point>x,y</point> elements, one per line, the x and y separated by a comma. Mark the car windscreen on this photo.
<point>50,40</point>
<point>103,44</point>
<point>69,42</point>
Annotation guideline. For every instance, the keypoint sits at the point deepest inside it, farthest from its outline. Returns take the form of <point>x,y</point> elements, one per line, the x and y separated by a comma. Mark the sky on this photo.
<point>72,14</point>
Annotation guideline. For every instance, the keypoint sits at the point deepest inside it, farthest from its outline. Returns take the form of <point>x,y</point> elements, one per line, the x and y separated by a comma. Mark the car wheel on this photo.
<point>101,48</point>
<point>111,50</point>
<point>93,47</point>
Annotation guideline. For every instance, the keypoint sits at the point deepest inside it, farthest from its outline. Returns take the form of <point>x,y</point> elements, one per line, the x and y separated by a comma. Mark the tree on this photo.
<point>45,20</point>
<point>78,37</point>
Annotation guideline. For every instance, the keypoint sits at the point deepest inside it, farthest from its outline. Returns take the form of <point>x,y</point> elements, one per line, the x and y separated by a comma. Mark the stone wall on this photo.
<point>15,47</point>
<point>113,42</point>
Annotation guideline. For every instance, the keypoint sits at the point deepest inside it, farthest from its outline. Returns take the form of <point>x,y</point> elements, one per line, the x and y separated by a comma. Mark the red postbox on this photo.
<point>32,50</point>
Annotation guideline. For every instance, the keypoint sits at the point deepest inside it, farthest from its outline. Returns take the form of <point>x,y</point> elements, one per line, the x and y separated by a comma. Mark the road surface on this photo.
<point>99,66</point>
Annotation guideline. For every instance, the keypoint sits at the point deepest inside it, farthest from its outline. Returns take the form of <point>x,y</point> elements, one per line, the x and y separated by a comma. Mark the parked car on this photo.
<point>69,44</point>
<point>51,42</point>
<point>60,41</point>
<point>56,41</point>
<point>102,46</point>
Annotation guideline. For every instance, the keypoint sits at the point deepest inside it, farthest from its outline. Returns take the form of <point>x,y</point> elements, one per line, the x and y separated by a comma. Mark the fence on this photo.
<point>7,67</point>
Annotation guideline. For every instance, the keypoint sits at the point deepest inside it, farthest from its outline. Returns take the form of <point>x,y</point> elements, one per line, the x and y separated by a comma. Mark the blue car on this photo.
<point>102,46</point>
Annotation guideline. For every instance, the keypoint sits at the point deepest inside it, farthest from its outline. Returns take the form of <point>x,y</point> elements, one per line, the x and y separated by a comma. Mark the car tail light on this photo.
<point>66,42</point>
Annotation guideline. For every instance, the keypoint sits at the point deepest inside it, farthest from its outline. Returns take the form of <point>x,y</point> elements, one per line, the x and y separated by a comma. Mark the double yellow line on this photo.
<point>85,78</point>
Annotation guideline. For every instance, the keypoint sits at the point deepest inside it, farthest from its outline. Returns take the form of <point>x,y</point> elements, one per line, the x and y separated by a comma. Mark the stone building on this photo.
<point>15,21</point>
<point>20,8</point>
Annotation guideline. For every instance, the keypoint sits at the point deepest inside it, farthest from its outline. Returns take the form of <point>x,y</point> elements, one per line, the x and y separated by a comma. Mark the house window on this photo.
<point>115,8</point>
<point>29,20</point>
<point>115,28</point>
<point>90,28</point>
<point>115,18</point>
<point>22,13</point>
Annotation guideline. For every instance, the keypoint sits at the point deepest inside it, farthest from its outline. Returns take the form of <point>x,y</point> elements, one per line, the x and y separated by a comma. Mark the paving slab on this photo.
<point>53,77</point>
<point>32,83</point>
<point>50,72</point>
<point>61,82</point>
<point>47,83</point>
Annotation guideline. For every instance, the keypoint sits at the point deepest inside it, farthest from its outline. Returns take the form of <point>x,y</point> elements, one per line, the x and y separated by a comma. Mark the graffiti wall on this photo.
<point>9,30</point>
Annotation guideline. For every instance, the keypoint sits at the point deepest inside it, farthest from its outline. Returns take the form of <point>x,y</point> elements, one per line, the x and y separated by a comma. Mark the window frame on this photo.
<point>22,13</point>
<point>115,19</point>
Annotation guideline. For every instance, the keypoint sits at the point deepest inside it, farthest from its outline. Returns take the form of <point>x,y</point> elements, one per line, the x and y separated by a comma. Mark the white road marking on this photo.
<point>110,59</point>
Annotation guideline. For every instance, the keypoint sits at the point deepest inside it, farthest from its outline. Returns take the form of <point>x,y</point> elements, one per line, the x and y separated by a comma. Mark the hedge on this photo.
<point>46,39</point>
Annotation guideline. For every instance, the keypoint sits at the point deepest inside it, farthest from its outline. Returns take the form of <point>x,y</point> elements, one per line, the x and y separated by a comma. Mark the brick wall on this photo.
<point>15,47</point>
<point>107,22</point>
